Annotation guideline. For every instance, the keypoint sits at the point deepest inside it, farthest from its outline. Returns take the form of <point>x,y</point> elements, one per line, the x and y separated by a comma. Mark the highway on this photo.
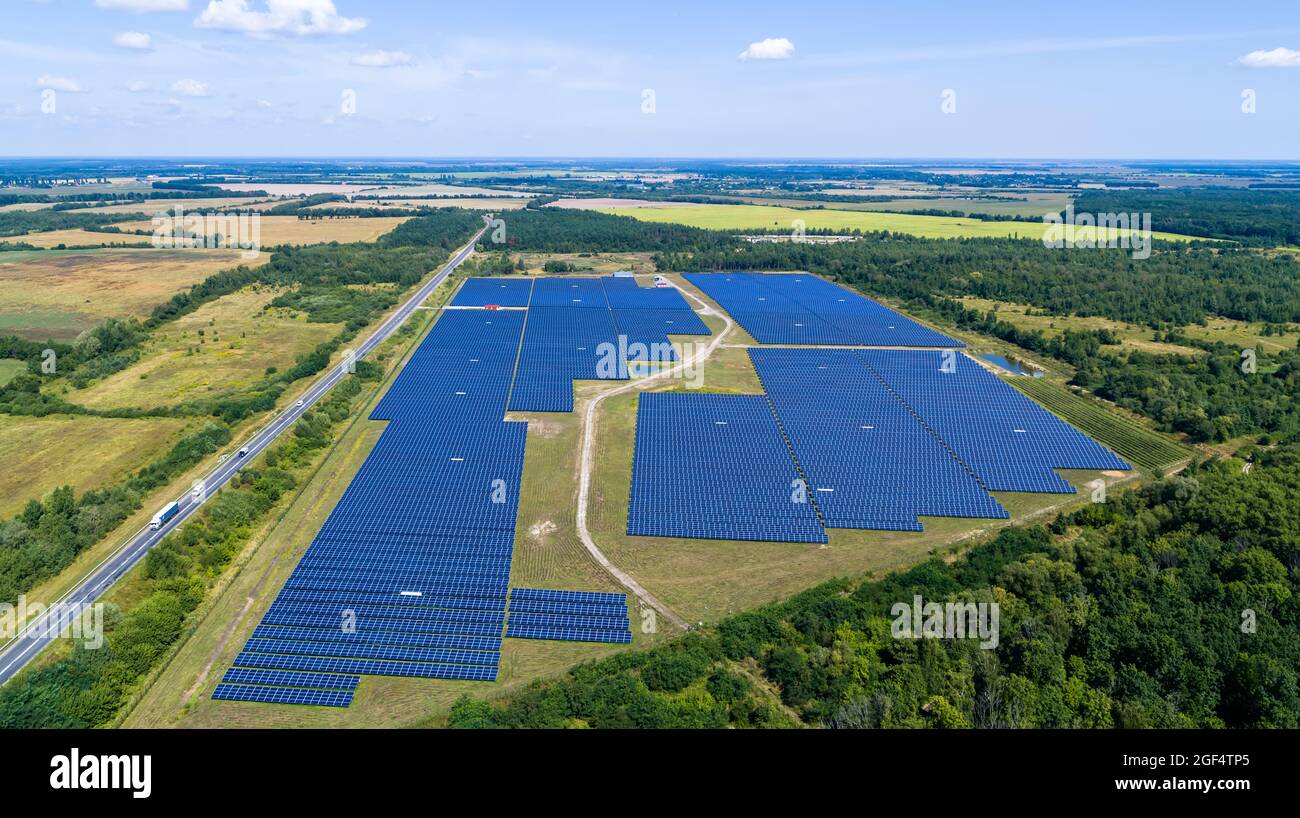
<point>43,630</point>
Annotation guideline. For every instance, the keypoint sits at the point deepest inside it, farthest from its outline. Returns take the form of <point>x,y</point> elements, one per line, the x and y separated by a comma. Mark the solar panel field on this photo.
<point>407,582</point>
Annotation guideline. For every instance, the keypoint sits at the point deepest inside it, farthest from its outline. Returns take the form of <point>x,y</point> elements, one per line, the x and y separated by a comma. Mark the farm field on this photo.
<point>219,349</point>
<point>56,294</point>
<point>467,203</point>
<point>435,189</point>
<point>277,230</point>
<point>54,239</point>
<point>152,206</point>
<point>757,217</point>
<point>41,454</point>
<point>1032,205</point>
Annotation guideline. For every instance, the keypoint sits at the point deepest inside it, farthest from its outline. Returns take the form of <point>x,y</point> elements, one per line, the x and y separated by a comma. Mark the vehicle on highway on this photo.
<point>166,513</point>
<point>299,403</point>
<point>243,451</point>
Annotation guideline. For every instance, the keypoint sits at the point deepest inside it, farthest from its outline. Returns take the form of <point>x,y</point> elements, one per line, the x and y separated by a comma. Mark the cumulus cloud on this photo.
<point>137,87</point>
<point>133,39</point>
<point>190,88</point>
<point>772,48</point>
<point>300,17</point>
<point>384,59</point>
<point>1277,58</point>
<point>68,86</point>
<point>144,5</point>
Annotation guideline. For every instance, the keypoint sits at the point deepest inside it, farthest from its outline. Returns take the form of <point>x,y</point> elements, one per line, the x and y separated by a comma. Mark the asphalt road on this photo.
<point>42,630</point>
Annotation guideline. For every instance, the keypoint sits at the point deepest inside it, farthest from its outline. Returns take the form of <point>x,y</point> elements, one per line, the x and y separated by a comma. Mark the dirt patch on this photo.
<point>539,531</point>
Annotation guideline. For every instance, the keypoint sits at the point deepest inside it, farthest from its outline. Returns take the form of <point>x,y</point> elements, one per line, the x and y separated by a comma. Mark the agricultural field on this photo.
<point>277,230</point>
<point>41,454</point>
<point>63,239</point>
<point>435,189</point>
<point>152,206</point>
<point>398,204</point>
<point>56,294</point>
<point>219,349</point>
<point>757,217</point>
<point>1031,205</point>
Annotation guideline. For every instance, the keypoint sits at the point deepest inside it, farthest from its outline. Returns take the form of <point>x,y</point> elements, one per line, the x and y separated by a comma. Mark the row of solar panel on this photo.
<point>796,308</point>
<point>869,439</point>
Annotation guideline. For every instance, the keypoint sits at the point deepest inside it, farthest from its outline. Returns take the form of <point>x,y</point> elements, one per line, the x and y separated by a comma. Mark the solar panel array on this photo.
<point>408,576</point>
<point>716,467</point>
<point>589,329</point>
<point>1010,442</point>
<point>793,308</point>
<point>503,292</point>
<point>868,462</point>
<point>573,616</point>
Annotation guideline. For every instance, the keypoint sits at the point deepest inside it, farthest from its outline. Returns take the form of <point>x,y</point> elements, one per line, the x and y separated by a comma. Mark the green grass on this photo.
<point>9,369</point>
<point>1127,438</point>
<point>758,217</point>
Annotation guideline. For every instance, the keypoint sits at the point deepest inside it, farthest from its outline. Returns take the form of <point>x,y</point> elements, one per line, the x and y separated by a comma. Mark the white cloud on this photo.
<point>133,39</point>
<point>264,103</point>
<point>1277,58</point>
<point>144,5</point>
<point>68,86</point>
<point>137,87</point>
<point>384,59</point>
<point>190,88</point>
<point>299,17</point>
<point>772,48</point>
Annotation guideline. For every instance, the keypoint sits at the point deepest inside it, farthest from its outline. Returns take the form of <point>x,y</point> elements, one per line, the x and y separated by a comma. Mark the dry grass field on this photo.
<point>40,454</point>
<point>495,203</point>
<point>220,348</point>
<point>276,230</point>
<point>57,294</point>
<point>62,239</point>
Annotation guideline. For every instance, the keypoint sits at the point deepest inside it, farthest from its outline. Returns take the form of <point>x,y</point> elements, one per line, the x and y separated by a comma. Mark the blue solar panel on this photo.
<point>797,308</point>
<point>715,467</point>
<point>504,292</point>
<point>378,637</point>
<point>868,462</point>
<point>568,634</point>
<point>1009,442</point>
<point>367,667</point>
<point>290,678</point>
<point>282,695</point>
<point>584,597</point>
<point>353,650</point>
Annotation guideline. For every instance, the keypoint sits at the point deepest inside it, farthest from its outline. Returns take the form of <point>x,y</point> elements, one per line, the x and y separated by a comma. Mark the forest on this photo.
<point>1254,216</point>
<point>1172,605</point>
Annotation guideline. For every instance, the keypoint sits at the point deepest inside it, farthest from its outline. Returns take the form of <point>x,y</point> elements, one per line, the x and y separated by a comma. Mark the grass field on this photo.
<point>40,454</point>
<point>57,294</point>
<point>152,206</point>
<point>9,369</point>
<point>219,349</point>
<point>276,230</point>
<point>591,263</point>
<point>54,239</point>
<point>757,217</point>
<point>1131,335</point>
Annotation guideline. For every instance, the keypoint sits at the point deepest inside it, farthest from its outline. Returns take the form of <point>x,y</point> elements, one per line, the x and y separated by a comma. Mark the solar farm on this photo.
<point>868,420</point>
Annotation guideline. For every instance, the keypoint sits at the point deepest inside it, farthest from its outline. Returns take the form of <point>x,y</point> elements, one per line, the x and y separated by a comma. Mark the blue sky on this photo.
<point>819,79</point>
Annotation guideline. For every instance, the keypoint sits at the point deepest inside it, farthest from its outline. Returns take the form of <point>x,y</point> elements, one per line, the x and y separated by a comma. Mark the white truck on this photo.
<point>166,513</point>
